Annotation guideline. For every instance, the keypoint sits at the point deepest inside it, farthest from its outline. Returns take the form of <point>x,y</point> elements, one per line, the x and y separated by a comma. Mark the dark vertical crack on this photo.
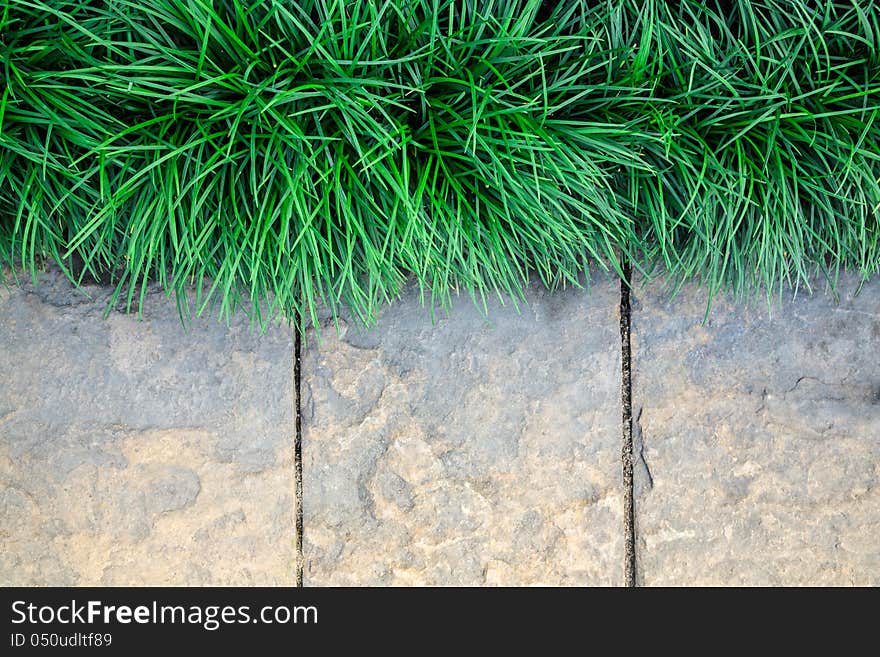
<point>627,425</point>
<point>297,447</point>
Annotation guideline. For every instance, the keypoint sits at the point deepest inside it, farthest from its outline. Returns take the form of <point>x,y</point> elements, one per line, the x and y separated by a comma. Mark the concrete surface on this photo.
<point>473,451</point>
<point>760,438</point>
<point>470,452</point>
<point>135,452</point>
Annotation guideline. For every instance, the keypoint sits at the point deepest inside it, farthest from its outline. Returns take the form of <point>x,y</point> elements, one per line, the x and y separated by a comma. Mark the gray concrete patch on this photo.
<point>757,438</point>
<point>472,451</point>
<point>138,452</point>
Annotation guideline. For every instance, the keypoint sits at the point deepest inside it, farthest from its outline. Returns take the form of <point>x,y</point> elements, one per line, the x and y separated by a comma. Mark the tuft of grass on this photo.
<point>278,155</point>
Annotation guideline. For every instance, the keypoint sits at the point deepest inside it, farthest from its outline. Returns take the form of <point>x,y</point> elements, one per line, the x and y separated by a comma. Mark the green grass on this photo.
<point>325,151</point>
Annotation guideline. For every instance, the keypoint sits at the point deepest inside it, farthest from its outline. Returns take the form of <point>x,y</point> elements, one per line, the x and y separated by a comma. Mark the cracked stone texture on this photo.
<point>758,438</point>
<point>467,451</point>
<point>137,452</point>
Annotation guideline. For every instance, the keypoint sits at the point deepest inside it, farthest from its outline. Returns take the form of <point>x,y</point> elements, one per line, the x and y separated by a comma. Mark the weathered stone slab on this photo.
<point>760,438</point>
<point>138,452</point>
<point>472,451</point>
